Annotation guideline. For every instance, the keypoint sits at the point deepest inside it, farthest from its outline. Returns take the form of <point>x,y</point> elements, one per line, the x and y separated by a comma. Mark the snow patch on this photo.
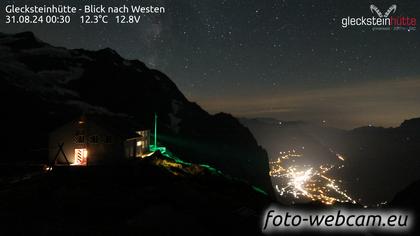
<point>127,63</point>
<point>62,76</point>
<point>88,108</point>
<point>48,51</point>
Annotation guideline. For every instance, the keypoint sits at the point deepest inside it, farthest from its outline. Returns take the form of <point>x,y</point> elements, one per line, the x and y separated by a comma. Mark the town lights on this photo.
<point>307,181</point>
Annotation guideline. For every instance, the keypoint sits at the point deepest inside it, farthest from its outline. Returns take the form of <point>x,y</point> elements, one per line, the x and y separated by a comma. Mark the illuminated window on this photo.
<point>80,157</point>
<point>140,143</point>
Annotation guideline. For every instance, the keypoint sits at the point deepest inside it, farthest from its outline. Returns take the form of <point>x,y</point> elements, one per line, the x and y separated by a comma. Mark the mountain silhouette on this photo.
<point>43,86</point>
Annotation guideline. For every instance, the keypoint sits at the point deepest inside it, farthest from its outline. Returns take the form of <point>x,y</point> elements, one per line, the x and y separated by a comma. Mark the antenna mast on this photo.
<point>156,117</point>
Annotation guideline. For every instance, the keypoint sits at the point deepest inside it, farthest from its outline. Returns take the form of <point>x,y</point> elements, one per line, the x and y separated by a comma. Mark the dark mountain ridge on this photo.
<point>43,86</point>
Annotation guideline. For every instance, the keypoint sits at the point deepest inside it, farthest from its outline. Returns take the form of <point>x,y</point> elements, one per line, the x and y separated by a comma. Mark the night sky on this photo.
<point>287,59</point>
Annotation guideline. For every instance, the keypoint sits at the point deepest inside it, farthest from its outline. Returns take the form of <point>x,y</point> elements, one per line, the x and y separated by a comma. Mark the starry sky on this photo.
<point>287,59</point>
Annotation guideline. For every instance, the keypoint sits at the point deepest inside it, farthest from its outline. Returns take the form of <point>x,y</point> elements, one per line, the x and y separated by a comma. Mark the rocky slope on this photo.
<point>43,86</point>
<point>155,196</point>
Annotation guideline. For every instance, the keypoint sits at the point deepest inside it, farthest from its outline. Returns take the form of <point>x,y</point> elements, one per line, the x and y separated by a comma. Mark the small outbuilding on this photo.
<point>96,140</point>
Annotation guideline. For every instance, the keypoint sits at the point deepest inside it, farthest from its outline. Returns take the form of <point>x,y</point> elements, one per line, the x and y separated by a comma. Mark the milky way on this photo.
<point>264,53</point>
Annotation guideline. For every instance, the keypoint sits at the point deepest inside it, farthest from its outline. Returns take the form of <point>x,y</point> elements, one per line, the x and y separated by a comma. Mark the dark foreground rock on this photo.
<point>147,197</point>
